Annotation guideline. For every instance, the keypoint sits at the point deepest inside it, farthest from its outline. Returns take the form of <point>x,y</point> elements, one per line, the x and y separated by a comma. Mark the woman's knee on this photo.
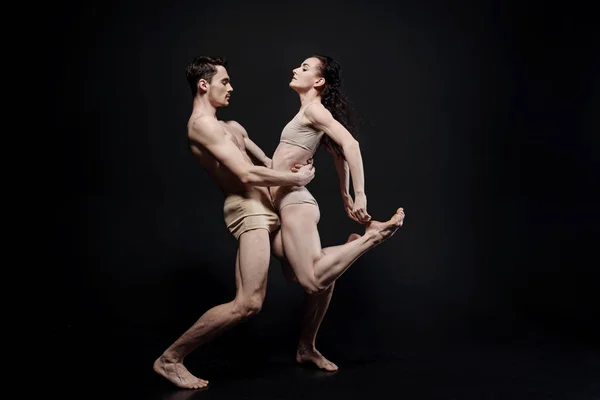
<point>311,285</point>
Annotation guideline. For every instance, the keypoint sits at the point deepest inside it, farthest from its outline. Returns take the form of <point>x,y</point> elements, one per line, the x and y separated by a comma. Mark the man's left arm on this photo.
<point>251,147</point>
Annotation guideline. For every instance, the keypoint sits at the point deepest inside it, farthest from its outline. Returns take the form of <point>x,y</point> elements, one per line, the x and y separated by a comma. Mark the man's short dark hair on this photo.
<point>202,67</point>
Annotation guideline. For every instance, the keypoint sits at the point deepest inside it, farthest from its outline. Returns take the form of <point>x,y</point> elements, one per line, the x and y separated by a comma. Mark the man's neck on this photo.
<point>202,107</point>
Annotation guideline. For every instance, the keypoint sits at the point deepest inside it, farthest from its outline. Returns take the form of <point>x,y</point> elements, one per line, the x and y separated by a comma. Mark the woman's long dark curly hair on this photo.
<point>336,101</point>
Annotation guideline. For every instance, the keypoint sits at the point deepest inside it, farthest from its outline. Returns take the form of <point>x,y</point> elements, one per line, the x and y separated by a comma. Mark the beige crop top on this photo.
<point>298,134</point>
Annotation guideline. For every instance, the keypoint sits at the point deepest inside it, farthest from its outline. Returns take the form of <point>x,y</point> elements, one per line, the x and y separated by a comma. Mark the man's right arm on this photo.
<point>209,134</point>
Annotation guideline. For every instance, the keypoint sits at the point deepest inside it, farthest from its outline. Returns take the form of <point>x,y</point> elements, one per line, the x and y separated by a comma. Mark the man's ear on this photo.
<point>203,85</point>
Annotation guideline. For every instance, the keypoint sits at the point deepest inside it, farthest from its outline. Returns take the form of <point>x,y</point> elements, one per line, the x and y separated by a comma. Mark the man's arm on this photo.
<point>209,134</point>
<point>252,147</point>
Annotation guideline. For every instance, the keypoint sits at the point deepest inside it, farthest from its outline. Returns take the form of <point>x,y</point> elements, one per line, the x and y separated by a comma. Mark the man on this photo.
<point>221,148</point>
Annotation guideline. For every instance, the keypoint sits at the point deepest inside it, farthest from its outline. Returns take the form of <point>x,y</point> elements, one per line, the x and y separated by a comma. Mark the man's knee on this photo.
<point>249,306</point>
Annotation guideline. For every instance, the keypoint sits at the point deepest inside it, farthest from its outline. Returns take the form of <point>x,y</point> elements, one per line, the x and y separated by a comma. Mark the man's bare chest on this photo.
<point>234,136</point>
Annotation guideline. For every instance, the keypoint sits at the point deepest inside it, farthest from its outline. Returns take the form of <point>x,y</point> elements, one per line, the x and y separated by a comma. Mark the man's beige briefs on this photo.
<point>249,211</point>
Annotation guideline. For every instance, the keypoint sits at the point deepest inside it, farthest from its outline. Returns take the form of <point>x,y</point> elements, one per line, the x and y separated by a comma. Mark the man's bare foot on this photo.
<point>304,355</point>
<point>178,374</point>
<point>381,231</point>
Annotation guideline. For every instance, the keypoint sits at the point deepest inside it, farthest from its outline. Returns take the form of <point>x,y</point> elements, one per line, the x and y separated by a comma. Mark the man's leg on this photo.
<point>314,309</point>
<point>252,265</point>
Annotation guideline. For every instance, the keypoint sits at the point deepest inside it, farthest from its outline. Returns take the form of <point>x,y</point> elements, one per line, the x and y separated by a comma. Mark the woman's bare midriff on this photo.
<point>285,157</point>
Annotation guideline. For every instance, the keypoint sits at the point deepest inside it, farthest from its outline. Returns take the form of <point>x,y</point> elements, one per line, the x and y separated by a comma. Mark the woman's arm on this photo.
<point>320,118</point>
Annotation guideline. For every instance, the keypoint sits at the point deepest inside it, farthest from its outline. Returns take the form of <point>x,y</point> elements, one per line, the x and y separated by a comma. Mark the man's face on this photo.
<point>307,75</point>
<point>219,89</point>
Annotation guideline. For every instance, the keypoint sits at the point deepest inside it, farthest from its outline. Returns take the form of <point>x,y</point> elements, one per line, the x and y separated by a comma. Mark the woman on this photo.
<point>323,118</point>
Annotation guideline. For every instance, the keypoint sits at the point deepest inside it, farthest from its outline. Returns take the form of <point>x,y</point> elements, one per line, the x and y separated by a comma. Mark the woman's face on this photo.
<point>307,75</point>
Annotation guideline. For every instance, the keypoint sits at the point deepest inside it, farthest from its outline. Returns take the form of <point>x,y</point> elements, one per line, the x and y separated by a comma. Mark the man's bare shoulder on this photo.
<point>237,126</point>
<point>204,126</point>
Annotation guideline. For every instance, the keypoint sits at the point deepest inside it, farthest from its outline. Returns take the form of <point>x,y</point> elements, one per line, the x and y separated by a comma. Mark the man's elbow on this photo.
<point>248,177</point>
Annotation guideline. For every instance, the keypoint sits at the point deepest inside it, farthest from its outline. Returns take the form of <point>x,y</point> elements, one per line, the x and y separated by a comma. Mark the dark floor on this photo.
<point>117,365</point>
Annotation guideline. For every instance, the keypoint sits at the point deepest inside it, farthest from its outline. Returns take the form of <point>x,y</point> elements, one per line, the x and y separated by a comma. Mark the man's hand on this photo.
<point>306,174</point>
<point>359,210</point>
<point>297,167</point>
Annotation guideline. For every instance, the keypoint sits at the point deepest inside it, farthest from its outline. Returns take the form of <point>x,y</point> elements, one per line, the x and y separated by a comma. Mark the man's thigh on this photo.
<point>254,256</point>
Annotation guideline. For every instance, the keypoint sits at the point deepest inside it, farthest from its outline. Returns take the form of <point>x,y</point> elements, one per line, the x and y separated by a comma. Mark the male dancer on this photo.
<point>220,147</point>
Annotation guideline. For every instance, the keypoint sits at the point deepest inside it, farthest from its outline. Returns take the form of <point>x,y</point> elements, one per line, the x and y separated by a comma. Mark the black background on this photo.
<point>481,119</point>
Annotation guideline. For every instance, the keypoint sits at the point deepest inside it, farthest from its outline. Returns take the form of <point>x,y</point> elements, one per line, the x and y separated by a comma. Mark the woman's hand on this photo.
<point>348,205</point>
<point>359,209</point>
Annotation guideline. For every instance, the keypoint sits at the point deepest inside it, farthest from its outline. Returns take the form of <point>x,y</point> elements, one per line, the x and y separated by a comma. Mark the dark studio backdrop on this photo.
<point>479,118</point>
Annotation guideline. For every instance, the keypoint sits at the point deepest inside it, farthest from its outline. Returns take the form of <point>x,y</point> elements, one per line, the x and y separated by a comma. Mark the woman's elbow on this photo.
<point>351,146</point>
